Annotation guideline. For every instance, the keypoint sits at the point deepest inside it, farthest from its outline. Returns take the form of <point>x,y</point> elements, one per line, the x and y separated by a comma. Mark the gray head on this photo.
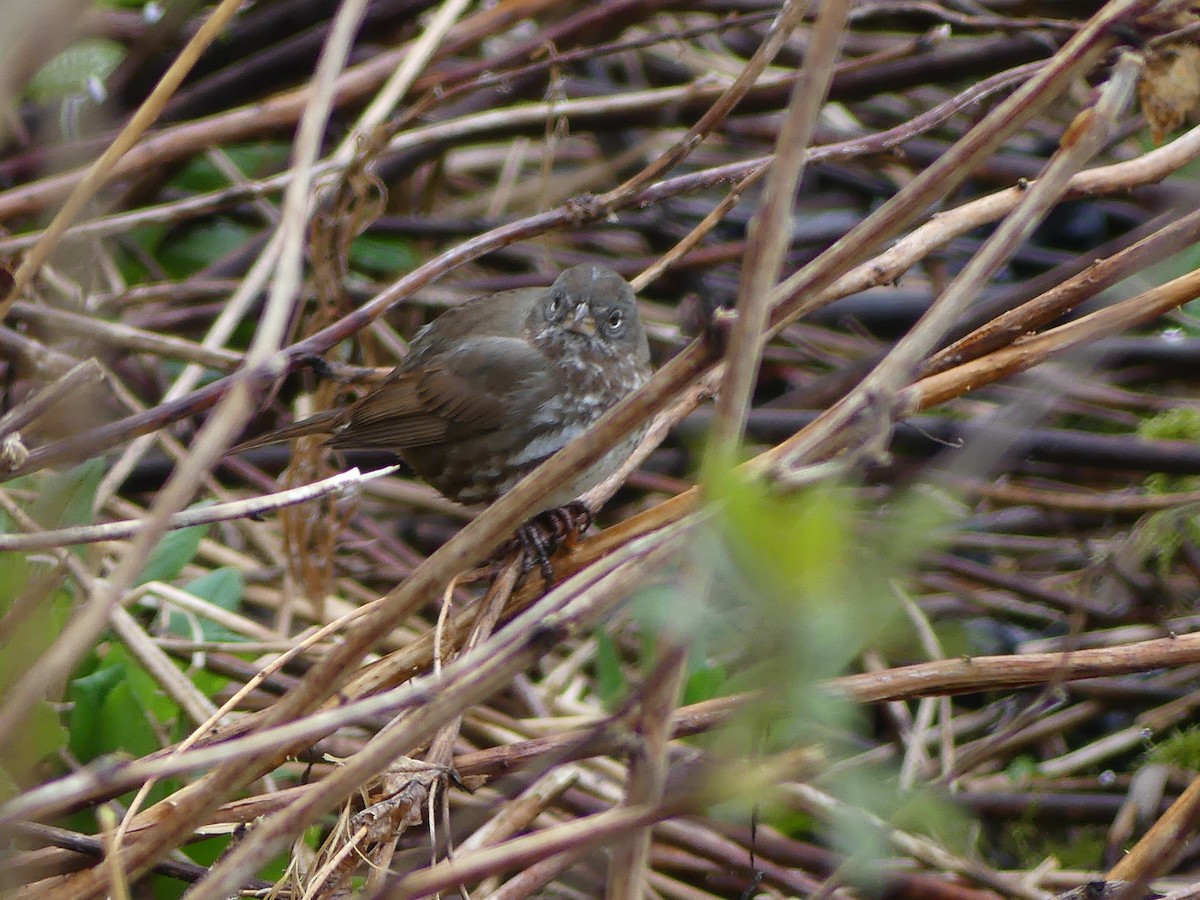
<point>593,308</point>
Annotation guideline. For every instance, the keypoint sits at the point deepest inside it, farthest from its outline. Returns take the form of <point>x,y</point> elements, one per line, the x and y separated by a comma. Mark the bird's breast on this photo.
<point>482,468</point>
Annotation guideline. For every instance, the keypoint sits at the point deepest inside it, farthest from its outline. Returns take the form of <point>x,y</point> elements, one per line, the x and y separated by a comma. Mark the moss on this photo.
<point>1173,425</point>
<point>1159,536</point>
<point>1079,847</point>
<point>1181,749</point>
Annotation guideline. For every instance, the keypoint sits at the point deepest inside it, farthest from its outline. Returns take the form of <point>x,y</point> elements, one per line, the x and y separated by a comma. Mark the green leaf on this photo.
<point>255,160</point>
<point>70,71</point>
<point>66,500</point>
<point>115,710</point>
<point>87,695</point>
<point>382,254</point>
<point>222,587</point>
<point>14,576</point>
<point>797,546</point>
<point>8,786</point>
<point>144,687</point>
<point>924,810</point>
<point>200,246</point>
<point>41,735</point>
<point>704,683</point>
<point>36,629</point>
<point>148,237</point>
<point>610,680</point>
<point>174,551</point>
<point>122,723</point>
<point>173,369</point>
<point>793,822</point>
<point>663,608</point>
<point>207,683</point>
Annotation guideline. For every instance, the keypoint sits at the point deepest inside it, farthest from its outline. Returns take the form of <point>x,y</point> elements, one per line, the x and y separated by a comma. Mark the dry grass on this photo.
<point>917,630</point>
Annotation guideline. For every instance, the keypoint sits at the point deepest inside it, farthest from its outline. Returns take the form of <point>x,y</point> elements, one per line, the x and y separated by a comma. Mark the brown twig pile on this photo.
<point>929,257</point>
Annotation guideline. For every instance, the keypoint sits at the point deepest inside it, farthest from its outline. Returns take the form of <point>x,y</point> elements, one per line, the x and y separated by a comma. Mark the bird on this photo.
<point>493,387</point>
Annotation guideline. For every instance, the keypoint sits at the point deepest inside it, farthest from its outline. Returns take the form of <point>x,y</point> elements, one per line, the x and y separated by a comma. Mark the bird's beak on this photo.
<point>582,322</point>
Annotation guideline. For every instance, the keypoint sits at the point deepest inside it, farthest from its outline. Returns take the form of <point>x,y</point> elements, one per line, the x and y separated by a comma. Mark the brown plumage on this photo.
<point>491,388</point>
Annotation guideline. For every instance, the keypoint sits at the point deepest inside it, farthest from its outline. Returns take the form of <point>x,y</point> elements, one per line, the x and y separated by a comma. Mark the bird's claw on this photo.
<point>546,533</point>
<point>322,367</point>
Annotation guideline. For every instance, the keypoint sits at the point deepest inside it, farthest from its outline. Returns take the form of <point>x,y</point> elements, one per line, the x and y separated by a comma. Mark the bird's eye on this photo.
<point>614,321</point>
<point>555,307</point>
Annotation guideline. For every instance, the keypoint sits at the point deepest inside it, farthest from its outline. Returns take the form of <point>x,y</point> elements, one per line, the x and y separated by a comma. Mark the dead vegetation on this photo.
<point>926,630</point>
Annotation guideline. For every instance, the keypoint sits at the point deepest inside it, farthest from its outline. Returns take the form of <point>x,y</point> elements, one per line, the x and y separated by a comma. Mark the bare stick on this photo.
<point>344,482</point>
<point>770,235</point>
<point>1089,131</point>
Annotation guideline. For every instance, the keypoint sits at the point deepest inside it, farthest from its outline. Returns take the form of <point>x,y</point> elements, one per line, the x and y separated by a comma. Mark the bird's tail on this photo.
<point>321,423</point>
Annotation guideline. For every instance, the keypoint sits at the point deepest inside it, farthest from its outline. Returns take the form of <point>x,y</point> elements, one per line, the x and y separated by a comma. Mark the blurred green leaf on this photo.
<point>113,709</point>
<point>795,546</point>
<point>173,368</point>
<point>1030,843</point>
<point>36,629</point>
<point>174,551</point>
<point>66,500</point>
<point>704,683</point>
<point>14,575</point>
<point>925,811</point>
<point>122,723</point>
<point>148,237</point>
<point>9,786</point>
<point>1158,536</point>
<point>382,254</point>
<point>783,817</point>
<point>41,735</point>
<point>808,591</point>
<point>209,684</point>
<point>656,608</point>
<point>87,695</point>
<point>222,587</point>
<point>610,679</point>
<point>191,249</point>
<point>256,160</point>
<point>70,71</point>
<point>798,585</point>
<point>33,625</point>
<point>144,687</point>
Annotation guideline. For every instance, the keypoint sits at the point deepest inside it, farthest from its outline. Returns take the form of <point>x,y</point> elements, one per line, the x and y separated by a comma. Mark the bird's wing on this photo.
<point>455,395</point>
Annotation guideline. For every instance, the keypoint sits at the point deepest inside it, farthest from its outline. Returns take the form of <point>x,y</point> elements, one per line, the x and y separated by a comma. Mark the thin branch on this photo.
<point>346,482</point>
<point>769,236</point>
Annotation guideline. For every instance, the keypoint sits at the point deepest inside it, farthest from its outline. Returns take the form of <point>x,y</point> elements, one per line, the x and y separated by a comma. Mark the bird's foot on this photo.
<point>341,373</point>
<point>325,369</point>
<point>547,533</point>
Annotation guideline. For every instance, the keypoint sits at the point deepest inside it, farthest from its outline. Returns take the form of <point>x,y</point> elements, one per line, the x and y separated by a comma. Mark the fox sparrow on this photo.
<point>493,387</point>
